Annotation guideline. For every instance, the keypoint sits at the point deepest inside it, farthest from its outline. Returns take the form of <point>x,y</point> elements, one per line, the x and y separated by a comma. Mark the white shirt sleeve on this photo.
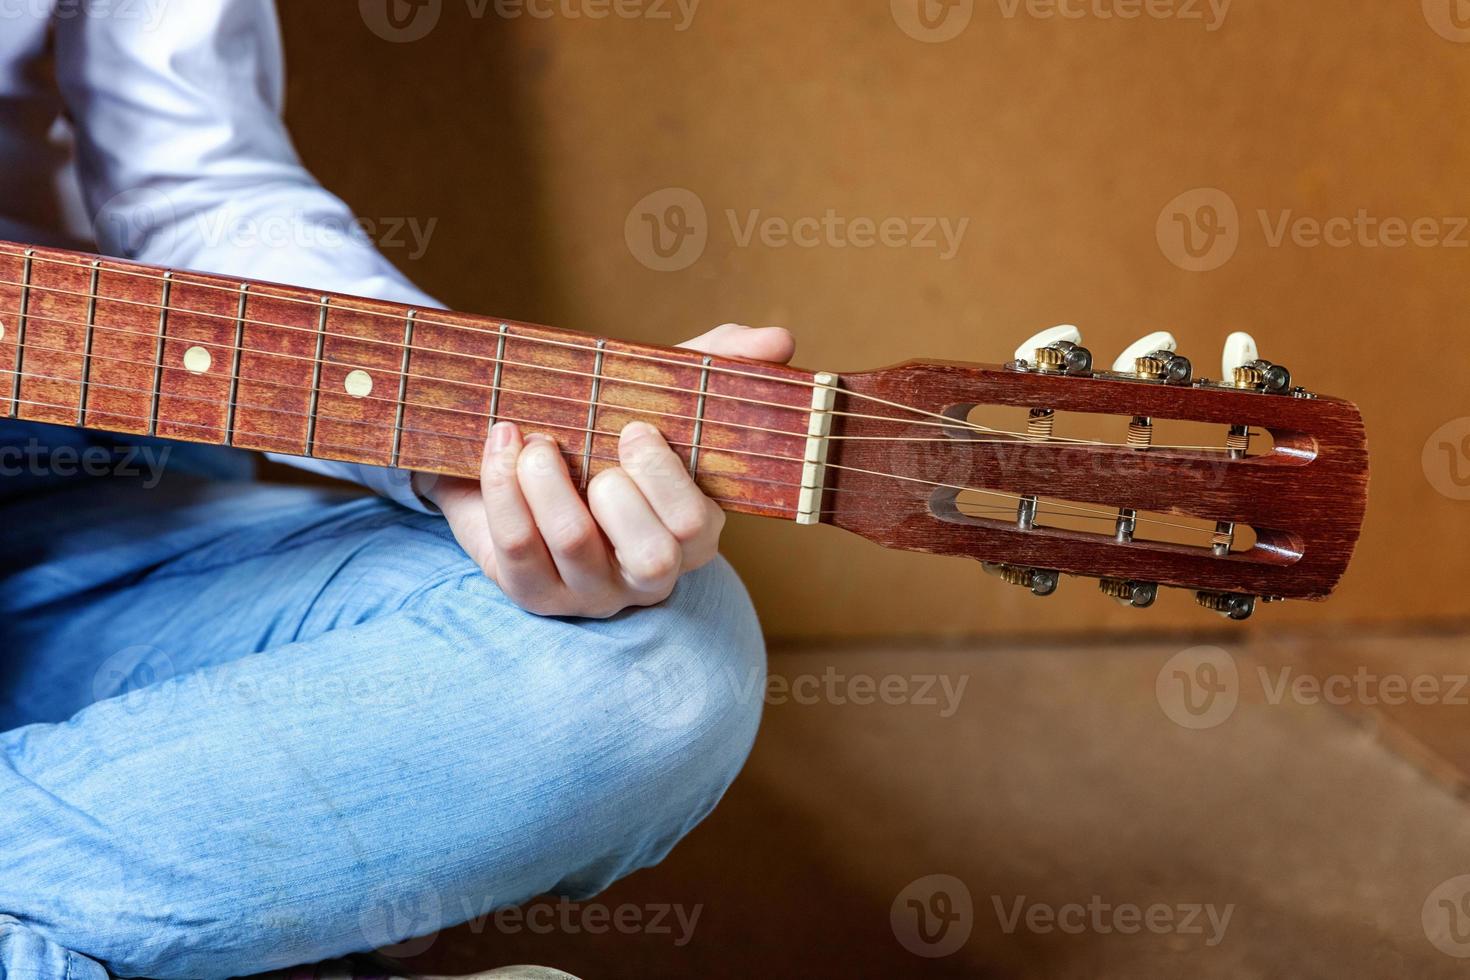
<point>185,161</point>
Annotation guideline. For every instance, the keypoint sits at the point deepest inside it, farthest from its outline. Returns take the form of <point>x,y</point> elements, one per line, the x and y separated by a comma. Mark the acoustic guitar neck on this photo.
<point>1269,504</point>
<point>119,347</point>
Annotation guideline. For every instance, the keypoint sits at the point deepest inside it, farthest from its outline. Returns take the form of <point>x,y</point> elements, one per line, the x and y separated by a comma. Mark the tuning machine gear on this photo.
<point>1057,350</point>
<point>1242,366</point>
<point>1138,595</point>
<point>1231,605</point>
<point>1154,358</point>
<point>1041,581</point>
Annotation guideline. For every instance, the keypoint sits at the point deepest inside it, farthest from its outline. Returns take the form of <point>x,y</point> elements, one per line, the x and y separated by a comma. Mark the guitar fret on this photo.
<point>699,417</point>
<point>499,371</point>
<point>235,365</point>
<point>408,322</point>
<point>87,343</point>
<point>316,376</point>
<point>20,332</point>
<point>168,285</point>
<point>592,413</point>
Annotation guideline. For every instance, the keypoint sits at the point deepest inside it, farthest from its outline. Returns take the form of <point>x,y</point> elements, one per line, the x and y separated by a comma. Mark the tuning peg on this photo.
<point>1153,358</point>
<point>1139,595</point>
<point>1243,367</point>
<point>1127,362</point>
<point>1058,350</point>
<point>1041,581</point>
<point>1231,605</point>
<point>1240,351</point>
<point>1055,335</point>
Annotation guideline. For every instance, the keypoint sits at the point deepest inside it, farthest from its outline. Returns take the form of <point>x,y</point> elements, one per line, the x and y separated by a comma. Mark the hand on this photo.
<point>644,524</point>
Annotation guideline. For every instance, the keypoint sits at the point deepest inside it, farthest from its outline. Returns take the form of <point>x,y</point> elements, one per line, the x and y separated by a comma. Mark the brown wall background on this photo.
<point>529,140</point>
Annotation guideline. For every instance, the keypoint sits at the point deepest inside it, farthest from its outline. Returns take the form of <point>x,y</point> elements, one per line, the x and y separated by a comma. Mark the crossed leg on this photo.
<point>243,726</point>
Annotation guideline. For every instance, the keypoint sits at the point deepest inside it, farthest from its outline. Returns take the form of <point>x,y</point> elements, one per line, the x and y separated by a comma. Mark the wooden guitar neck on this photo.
<point>118,347</point>
<point>892,455</point>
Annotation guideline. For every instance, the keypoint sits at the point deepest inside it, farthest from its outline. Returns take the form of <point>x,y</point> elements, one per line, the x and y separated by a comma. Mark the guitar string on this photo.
<point>237,290</point>
<point>177,279</point>
<point>316,304</point>
<point>1075,509</point>
<point>155,336</point>
<point>948,421</point>
<point>966,508</point>
<point>973,511</point>
<point>1013,438</point>
<point>502,417</point>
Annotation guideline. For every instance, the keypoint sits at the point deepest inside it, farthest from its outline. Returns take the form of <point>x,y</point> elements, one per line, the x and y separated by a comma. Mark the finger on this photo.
<point>571,535</point>
<point>523,565</point>
<point>693,519</point>
<point>648,556</point>
<point>757,343</point>
<point>462,504</point>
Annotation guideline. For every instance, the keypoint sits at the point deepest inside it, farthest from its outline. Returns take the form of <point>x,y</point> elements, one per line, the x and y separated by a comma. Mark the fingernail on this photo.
<point>541,454</point>
<point>539,437</point>
<point>502,434</point>
<point>638,430</point>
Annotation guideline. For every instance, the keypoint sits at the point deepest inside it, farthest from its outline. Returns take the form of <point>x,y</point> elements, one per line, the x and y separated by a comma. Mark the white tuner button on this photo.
<point>1240,350</point>
<point>1056,335</point>
<point>1163,340</point>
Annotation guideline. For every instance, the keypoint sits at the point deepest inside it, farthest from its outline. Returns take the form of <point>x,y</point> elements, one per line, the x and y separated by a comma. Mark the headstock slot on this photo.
<point>1151,528</point>
<point>1103,427</point>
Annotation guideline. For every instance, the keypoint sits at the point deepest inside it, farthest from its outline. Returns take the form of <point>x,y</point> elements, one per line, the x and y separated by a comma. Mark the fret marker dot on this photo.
<point>197,360</point>
<point>2,329</point>
<point>359,384</point>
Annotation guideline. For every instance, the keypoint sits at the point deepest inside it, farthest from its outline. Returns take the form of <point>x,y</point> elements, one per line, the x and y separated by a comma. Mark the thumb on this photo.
<point>757,343</point>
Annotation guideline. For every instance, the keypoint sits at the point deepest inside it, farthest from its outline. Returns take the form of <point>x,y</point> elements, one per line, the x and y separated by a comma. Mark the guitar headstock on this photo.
<point>1050,465</point>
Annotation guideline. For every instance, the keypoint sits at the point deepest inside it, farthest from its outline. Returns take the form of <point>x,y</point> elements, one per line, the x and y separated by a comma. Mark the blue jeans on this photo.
<point>247,727</point>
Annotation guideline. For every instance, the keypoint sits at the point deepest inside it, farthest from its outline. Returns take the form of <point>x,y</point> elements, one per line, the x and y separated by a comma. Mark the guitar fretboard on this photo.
<point>125,348</point>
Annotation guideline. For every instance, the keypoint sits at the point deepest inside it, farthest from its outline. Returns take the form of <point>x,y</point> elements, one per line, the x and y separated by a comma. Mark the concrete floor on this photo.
<point>1062,790</point>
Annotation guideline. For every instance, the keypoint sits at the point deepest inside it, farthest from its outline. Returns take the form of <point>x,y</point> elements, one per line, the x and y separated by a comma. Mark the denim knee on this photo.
<point>682,704</point>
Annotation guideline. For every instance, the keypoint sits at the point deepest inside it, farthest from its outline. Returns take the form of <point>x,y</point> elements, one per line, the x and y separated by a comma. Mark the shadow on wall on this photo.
<point>394,124</point>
